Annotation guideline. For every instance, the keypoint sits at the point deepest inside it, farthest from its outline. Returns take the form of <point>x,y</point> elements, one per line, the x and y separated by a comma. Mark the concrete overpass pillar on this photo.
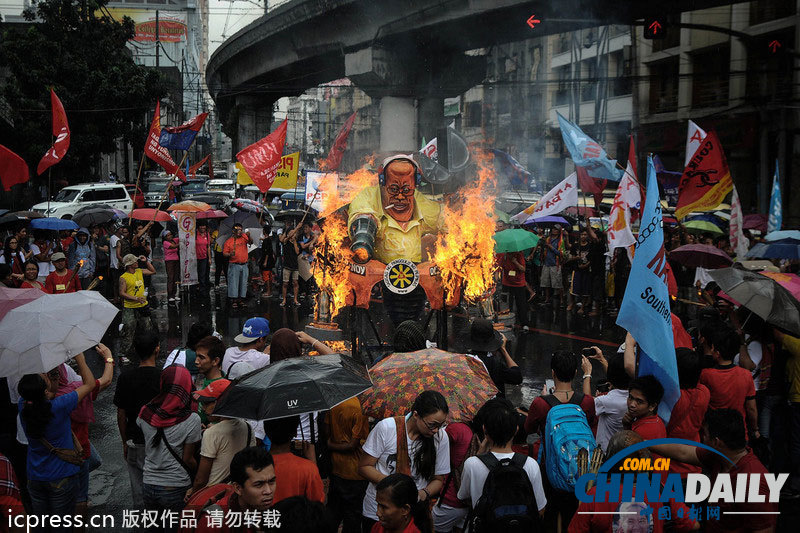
<point>430,113</point>
<point>398,124</point>
<point>254,119</point>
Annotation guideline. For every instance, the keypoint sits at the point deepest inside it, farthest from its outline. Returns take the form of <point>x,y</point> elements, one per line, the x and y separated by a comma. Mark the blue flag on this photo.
<point>645,310</point>
<point>517,174</point>
<point>775,204</point>
<point>587,153</point>
<point>181,137</point>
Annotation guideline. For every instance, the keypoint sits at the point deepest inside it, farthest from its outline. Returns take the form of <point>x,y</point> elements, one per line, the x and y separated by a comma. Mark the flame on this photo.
<point>332,272</point>
<point>465,252</point>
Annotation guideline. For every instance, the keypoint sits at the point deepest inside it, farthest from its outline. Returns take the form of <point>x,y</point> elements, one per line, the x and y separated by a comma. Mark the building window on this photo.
<point>664,86</point>
<point>711,74</point>
<point>562,90</point>
<point>474,112</point>
<point>766,10</point>
<point>589,86</point>
<point>621,76</point>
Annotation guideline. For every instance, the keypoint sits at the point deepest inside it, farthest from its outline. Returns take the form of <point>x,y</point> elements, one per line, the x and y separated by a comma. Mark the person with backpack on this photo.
<point>416,445</point>
<point>171,428</point>
<point>498,479</point>
<point>186,356</point>
<point>565,421</point>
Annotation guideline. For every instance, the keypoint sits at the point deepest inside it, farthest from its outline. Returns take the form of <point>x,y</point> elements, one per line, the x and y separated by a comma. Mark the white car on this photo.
<point>222,186</point>
<point>74,197</point>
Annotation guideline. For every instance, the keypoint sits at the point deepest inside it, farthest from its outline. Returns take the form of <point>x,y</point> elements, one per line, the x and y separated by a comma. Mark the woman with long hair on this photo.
<point>416,445</point>
<point>30,275</point>
<point>53,451</point>
<point>15,257</point>
<point>399,508</point>
<point>286,344</point>
<point>171,428</point>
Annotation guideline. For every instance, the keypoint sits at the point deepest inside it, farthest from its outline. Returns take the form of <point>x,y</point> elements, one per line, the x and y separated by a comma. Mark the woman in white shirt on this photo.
<point>424,454</point>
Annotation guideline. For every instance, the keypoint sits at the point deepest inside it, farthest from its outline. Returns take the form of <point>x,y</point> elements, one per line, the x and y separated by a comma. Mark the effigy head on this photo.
<point>398,178</point>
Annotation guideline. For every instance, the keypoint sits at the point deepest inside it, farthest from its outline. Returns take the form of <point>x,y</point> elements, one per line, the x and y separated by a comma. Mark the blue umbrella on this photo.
<point>783,249</point>
<point>783,234</point>
<point>52,223</point>
<point>708,217</point>
<point>547,220</point>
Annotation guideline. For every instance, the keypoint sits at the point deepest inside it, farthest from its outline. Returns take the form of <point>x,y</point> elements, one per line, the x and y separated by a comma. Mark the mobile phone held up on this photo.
<point>588,352</point>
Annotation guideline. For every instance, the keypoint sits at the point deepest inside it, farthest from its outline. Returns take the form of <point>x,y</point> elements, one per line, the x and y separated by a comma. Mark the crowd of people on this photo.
<point>418,471</point>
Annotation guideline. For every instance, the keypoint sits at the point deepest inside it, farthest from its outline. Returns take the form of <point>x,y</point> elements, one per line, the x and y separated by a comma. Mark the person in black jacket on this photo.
<point>489,345</point>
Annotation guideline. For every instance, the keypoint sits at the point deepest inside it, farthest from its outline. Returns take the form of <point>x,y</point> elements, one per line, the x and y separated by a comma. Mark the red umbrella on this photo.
<point>147,213</point>
<point>212,213</point>
<point>756,221</point>
<point>13,298</point>
<point>701,255</point>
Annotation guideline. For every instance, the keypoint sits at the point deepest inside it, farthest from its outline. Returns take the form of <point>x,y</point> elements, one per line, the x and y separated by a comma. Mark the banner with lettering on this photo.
<point>645,310</point>
<point>587,153</point>
<point>560,197</point>
<point>187,224</point>
<point>262,158</point>
<point>706,179</point>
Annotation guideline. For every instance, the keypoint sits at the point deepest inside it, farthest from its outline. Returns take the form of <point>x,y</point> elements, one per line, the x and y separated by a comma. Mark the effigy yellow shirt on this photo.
<point>391,240</point>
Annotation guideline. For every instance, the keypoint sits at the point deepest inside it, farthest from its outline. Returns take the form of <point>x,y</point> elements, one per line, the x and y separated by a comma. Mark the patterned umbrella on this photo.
<point>398,379</point>
<point>790,282</point>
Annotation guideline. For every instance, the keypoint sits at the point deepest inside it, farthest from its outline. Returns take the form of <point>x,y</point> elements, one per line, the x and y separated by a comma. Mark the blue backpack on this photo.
<point>566,432</point>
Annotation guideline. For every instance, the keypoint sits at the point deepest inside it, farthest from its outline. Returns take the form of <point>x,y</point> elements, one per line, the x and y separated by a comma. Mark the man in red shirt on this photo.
<point>690,409</point>
<point>61,280</point>
<point>235,250</point>
<point>644,395</point>
<point>513,266</point>
<point>731,386</point>
<point>248,496</point>
<point>299,476</point>
<point>723,430</point>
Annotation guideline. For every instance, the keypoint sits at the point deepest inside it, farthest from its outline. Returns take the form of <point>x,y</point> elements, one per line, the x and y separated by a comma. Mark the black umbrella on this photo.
<point>98,215</point>
<point>761,295</point>
<point>293,387</point>
<point>246,219</point>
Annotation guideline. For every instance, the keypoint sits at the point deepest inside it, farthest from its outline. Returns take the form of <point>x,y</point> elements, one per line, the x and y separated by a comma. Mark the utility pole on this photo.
<point>158,41</point>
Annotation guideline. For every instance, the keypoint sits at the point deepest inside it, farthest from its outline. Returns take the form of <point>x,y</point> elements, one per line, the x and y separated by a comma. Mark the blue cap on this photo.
<point>253,329</point>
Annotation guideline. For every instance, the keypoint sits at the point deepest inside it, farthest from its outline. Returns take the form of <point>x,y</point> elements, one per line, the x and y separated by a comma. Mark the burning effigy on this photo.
<point>378,226</point>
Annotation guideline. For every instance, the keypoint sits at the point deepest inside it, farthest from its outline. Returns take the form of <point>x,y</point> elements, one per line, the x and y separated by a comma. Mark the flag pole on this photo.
<point>138,175</point>
<point>169,186</point>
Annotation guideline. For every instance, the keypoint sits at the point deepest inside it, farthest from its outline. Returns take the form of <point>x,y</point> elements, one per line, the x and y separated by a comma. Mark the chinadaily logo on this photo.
<point>639,487</point>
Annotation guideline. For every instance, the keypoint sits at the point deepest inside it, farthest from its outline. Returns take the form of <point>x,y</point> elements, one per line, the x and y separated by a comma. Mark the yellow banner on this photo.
<point>286,177</point>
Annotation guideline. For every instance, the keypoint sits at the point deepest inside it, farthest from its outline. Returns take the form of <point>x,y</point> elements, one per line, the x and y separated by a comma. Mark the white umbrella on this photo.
<point>40,335</point>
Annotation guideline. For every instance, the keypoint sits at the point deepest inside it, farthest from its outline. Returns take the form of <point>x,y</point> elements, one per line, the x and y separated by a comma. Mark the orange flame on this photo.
<point>332,272</point>
<point>465,252</point>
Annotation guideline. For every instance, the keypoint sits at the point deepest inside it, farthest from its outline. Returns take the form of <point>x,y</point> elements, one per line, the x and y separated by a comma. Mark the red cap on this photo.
<point>213,391</point>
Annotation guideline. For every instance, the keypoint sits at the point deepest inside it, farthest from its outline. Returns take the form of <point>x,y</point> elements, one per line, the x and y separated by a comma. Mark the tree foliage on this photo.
<point>80,51</point>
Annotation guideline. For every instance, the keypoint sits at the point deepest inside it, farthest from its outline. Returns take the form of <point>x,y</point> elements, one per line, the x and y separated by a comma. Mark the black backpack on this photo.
<point>507,503</point>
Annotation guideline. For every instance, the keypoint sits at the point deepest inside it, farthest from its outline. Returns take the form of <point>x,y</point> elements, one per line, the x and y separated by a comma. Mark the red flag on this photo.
<point>155,151</point>
<point>706,179</point>
<point>590,185</point>
<point>194,168</point>
<point>13,169</point>
<point>262,158</point>
<point>339,144</point>
<point>60,131</point>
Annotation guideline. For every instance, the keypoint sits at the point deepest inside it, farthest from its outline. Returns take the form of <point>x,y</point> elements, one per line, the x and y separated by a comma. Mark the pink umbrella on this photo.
<point>13,298</point>
<point>213,213</point>
<point>790,282</point>
<point>700,255</point>
<point>756,221</point>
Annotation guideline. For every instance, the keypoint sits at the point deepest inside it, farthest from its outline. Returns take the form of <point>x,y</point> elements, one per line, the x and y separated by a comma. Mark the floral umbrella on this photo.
<point>398,379</point>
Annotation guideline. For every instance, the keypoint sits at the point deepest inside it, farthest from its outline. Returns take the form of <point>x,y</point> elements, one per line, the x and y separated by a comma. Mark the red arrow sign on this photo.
<point>774,45</point>
<point>532,21</point>
<point>655,26</point>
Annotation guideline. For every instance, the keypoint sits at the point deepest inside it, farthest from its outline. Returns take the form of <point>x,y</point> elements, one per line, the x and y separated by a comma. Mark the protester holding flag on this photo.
<point>645,311</point>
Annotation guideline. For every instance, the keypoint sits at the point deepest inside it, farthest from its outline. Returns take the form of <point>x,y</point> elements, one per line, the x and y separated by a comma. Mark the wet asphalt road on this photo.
<point>109,491</point>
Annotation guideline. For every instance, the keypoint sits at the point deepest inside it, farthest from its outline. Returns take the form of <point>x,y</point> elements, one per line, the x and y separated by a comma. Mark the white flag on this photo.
<point>431,149</point>
<point>620,234</point>
<point>739,242</point>
<point>560,197</point>
<point>694,137</point>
